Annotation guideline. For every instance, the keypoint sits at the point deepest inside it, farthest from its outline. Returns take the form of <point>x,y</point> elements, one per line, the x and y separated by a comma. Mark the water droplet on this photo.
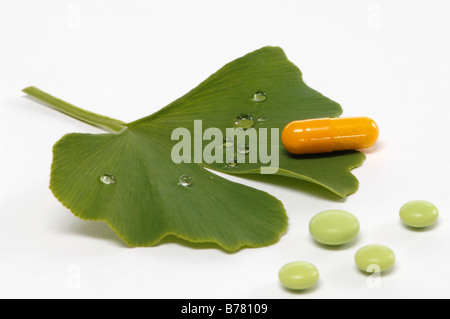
<point>244,121</point>
<point>108,179</point>
<point>243,149</point>
<point>262,119</point>
<point>232,162</point>
<point>259,96</point>
<point>228,141</point>
<point>185,180</point>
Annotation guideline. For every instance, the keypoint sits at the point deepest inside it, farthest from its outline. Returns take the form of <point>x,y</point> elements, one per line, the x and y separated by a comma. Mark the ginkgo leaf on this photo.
<point>130,179</point>
<point>146,202</point>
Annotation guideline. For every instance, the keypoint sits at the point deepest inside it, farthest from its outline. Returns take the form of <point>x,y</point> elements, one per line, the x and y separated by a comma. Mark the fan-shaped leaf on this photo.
<point>130,180</point>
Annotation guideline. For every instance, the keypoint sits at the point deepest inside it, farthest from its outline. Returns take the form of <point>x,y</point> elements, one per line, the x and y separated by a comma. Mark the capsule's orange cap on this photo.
<point>327,135</point>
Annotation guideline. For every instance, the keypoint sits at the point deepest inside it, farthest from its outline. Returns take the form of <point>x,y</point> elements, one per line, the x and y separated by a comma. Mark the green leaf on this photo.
<point>147,203</point>
<point>144,201</point>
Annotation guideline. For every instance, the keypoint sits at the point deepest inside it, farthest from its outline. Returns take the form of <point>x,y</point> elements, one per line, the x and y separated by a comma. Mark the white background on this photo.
<point>389,60</point>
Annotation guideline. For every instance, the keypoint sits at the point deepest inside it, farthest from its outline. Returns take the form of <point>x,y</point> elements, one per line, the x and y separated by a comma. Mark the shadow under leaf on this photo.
<point>299,185</point>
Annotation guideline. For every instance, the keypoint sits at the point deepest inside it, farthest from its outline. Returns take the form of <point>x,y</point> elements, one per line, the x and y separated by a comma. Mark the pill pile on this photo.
<point>338,227</point>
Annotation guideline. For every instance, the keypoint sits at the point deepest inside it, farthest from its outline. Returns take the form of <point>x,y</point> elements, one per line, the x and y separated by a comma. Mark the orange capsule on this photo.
<point>326,135</point>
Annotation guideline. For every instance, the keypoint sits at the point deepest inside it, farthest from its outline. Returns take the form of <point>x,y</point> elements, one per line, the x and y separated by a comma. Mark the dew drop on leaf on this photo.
<point>185,180</point>
<point>228,142</point>
<point>259,96</point>
<point>244,121</point>
<point>262,119</point>
<point>243,149</point>
<point>232,162</point>
<point>108,179</point>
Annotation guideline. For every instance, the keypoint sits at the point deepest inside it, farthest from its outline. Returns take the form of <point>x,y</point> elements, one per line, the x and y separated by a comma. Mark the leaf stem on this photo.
<point>103,122</point>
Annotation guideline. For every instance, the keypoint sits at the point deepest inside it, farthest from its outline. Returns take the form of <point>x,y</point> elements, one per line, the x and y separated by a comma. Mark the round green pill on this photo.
<point>374,258</point>
<point>419,214</point>
<point>334,227</point>
<point>298,275</point>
